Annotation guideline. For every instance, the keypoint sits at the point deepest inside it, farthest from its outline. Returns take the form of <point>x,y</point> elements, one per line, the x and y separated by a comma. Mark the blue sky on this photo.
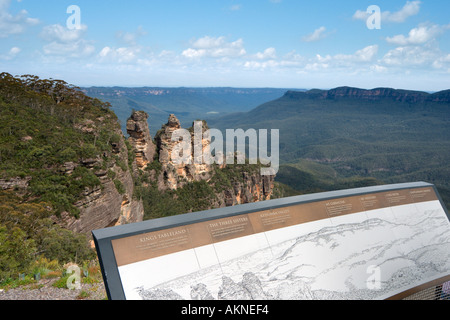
<point>247,43</point>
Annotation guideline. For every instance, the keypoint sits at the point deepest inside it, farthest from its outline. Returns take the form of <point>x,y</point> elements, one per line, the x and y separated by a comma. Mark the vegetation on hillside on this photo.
<point>384,139</point>
<point>27,233</point>
<point>310,177</point>
<point>47,125</point>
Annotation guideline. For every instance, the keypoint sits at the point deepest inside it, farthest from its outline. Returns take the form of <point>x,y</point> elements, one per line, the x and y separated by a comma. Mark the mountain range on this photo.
<point>188,104</point>
<point>329,138</point>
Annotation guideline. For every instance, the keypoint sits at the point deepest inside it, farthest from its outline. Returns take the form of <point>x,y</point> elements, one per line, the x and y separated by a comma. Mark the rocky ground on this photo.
<point>44,290</point>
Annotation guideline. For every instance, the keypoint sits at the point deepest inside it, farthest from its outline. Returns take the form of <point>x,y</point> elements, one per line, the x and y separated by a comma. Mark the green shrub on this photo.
<point>61,283</point>
<point>131,154</point>
<point>16,252</point>
<point>119,186</point>
<point>122,165</point>
<point>83,177</point>
<point>67,155</point>
<point>88,151</point>
<point>64,245</point>
<point>111,174</point>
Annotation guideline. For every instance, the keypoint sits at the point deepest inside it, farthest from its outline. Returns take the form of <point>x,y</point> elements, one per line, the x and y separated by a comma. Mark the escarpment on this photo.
<point>66,152</point>
<point>376,94</point>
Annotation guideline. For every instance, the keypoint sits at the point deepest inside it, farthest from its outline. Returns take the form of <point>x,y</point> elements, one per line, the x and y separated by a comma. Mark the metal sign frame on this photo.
<point>103,238</point>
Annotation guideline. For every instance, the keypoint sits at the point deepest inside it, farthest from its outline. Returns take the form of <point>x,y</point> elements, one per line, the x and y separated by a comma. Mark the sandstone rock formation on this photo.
<point>174,175</point>
<point>140,139</point>
<point>245,186</point>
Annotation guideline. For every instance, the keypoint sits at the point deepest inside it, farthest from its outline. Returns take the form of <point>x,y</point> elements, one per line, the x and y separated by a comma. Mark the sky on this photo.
<point>234,43</point>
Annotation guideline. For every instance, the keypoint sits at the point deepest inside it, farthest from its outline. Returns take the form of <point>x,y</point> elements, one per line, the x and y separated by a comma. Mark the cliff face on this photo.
<point>376,94</point>
<point>108,203</point>
<point>111,203</point>
<point>247,188</point>
<point>231,184</point>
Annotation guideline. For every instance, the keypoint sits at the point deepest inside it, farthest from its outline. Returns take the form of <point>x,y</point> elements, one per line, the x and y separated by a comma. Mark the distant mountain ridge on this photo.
<point>373,94</point>
<point>188,103</point>
<point>388,134</point>
<point>157,91</point>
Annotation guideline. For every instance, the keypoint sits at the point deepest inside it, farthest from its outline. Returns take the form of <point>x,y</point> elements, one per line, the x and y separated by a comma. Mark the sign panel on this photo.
<point>367,243</point>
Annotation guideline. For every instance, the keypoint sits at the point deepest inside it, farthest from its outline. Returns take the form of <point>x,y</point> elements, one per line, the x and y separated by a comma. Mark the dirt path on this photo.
<point>43,290</point>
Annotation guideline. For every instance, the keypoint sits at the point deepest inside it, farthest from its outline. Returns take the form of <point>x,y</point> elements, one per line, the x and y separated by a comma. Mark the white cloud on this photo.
<point>66,42</point>
<point>194,53</point>
<point>442,63</point>
<point>12,53</point>
<point>419,49</point>
<point>293,57</point>
<point>366,54</point>
<point>13,24</point>
<point>269,53</point>
<point>269,59</point>
<point>360,15</point>
<point>411,56</point>
<point>76,49</point>
<point>104,52</point>
<point>318,34</point>
<point>410,9</point>
<point>215,47</point>
<point>208,42</point>
<point>420,35</point>
<point>61,34</point>
<point>119,55</point>
<point>378,68</point>
<point>130,38</point>
<point>261,65</point>
<point>363,58</point>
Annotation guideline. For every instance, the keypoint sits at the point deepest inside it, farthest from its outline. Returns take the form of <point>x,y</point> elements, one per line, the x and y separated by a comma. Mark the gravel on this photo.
<point>43,290</point>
